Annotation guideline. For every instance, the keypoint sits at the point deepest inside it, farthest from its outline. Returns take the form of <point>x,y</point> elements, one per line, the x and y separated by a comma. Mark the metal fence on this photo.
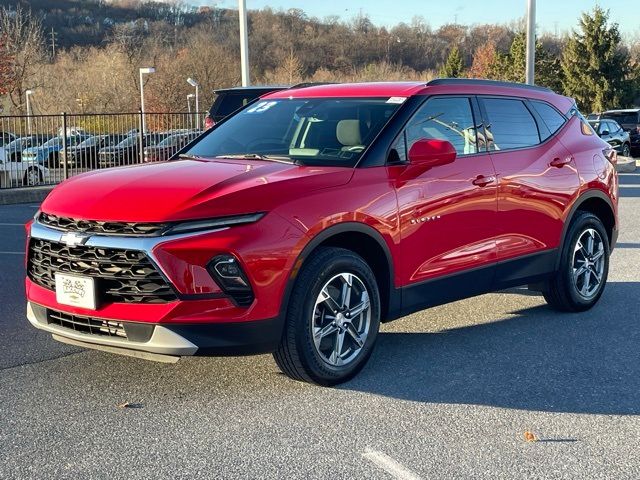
<point>47,149</point>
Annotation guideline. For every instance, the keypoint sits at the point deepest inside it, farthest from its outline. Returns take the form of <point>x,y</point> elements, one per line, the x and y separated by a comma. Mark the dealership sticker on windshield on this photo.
<point>261,107</point>
<point>396,99</point>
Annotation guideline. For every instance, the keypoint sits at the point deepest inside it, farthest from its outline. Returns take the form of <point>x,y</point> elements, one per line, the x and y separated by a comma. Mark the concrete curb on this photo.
<point>11,196</point>
<point>626,165</point>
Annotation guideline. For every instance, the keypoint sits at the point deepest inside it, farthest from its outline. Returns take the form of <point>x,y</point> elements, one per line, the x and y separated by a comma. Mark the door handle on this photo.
<point>560,162</point>
<point>482,181</point>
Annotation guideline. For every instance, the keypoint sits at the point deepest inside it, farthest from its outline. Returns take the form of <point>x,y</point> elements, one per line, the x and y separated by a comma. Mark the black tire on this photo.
<point>27,178</point>
<point>297,355</point>
<point>626,150</point>
<point>561,291</point>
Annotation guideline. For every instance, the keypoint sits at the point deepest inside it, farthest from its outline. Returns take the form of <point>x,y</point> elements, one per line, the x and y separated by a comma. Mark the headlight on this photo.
<point>222,222</point>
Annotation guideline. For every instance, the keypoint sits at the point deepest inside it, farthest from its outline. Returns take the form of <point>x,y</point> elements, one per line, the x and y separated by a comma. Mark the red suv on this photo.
<point>300,223</point>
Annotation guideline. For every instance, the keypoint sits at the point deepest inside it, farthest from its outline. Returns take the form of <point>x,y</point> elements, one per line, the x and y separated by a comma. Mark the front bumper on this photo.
<point>168,340</point>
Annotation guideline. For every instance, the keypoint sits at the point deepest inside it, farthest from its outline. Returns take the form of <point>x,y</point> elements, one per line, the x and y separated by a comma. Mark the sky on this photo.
<point>552,15</point>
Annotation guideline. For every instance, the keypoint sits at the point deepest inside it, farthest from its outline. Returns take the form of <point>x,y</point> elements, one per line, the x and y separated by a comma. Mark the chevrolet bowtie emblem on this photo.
<point>71,239</point>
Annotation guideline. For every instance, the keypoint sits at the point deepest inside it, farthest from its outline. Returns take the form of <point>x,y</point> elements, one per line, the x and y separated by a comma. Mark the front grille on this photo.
<point>106,228</point>
<point>126,276</point>
<point>92,326</point>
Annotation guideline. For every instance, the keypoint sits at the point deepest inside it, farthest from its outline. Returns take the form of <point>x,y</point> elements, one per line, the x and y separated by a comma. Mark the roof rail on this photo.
<point>490,83</point>
<point>310,84</point>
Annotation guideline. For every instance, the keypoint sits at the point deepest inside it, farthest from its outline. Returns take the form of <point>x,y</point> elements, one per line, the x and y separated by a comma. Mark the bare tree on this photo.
<point>25,46</point>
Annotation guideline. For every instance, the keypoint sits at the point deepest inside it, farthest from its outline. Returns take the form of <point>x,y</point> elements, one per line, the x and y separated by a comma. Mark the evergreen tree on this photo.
<point>597,70</point>
<point>454,66</point>
<point>512,66</point>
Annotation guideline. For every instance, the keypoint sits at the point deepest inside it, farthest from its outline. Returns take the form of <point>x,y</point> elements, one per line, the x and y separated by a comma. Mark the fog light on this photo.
<point>228,273</point>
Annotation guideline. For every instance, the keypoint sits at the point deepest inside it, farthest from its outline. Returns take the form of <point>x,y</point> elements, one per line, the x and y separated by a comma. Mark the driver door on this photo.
<point>448,213</point>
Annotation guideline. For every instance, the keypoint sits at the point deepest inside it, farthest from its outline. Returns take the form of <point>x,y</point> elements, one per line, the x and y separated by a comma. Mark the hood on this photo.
<point>187,189</point>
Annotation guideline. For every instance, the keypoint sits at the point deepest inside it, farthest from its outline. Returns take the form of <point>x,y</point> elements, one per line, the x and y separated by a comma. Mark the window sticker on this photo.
<point>261,107</point>
<point>396,100</point>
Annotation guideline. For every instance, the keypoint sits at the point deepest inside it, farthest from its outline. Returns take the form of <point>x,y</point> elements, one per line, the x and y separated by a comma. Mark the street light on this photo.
<point>189,97</point>
<point>531,42</point>
<point>28,94</point>
<point>195,84</point>
<point>143,71</point>
<point>244,42</point>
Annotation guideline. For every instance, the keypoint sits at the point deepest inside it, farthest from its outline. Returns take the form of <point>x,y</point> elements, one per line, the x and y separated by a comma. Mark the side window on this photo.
<point>549,115</point>
<point>445,118</point>
<point>510,124</point>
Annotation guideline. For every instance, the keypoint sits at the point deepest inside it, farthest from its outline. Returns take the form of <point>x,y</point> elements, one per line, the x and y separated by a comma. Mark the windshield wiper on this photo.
<point>188,156</point>
<point>257,156</point>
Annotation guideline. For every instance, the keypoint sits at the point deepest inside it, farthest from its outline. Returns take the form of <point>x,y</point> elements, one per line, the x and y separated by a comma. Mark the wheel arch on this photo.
<point>598,203</point>
<point>366,242</point>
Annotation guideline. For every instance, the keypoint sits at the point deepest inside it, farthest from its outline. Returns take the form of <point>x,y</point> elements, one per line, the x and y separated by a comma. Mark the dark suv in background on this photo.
<point>629,120</point>
<point>228,100</point>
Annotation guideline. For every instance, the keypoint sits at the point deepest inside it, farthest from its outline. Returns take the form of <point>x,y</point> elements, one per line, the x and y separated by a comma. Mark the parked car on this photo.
<point>17,172</point>
<point>614,135</point>
<point>48,154</point>
<point>303,221</point>
<point>85,154</point>
<point>629,120</point>
<point>127,151</point>
<point>228,100</point>
<point>6,138</point>
<point>169,146</point>
<point>15,148</point>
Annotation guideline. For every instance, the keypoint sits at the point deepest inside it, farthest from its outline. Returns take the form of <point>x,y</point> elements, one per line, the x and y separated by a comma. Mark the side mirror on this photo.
<point>604,133</point>
<point>431,153</point>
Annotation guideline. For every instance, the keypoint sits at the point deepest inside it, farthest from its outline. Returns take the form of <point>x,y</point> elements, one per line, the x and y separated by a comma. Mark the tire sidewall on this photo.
<point>309,285</point>
<point>576,230</point>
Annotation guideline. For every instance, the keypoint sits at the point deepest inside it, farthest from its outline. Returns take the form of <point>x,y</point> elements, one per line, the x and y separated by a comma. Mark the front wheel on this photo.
<point>626,150</point>
<point>332,319</point>
<point>584,266</point>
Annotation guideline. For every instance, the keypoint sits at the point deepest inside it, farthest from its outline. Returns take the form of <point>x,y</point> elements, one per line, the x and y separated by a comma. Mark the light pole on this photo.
<point>189,97</point>
<point>143,71</point>
<point>28,94</point>
<point>190,117</point>
<point>195,84</point>
<point>244,42</point>
<point>531,41</point>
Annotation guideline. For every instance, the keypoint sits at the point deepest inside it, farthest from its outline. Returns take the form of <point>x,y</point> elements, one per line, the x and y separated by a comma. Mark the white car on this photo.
<point>16,172</point>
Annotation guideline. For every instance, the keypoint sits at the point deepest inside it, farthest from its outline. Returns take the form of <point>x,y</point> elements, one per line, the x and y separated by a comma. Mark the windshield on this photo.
<point>129,141</point>
<point>318,131</point>
<point>54,142</point>
<point>90,142</point>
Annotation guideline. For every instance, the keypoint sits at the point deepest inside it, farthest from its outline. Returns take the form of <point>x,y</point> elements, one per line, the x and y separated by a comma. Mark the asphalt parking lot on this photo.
<point>448,393</point>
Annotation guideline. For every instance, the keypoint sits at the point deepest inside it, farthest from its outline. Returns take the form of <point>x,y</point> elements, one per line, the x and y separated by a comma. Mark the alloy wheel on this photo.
<point>588,263</point>
<point>341,319</point>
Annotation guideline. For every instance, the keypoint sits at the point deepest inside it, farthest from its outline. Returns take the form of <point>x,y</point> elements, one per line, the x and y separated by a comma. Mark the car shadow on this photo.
<point>536,360</point>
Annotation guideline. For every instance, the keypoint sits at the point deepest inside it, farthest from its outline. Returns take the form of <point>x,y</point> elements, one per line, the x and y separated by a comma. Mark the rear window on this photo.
<point>549,115</point>
<point>226,104</point>
<point>623,118</point>
<point>511,125</point>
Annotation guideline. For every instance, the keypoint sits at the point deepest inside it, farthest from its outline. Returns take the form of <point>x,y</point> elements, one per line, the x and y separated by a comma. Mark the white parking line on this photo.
<point>11,253</point>
<point>11,224</point>
<point>389,465</point>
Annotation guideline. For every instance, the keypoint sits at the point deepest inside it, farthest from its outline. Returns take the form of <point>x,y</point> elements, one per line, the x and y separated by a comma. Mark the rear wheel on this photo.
<point>584,266</point>
<point>332,319</point>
